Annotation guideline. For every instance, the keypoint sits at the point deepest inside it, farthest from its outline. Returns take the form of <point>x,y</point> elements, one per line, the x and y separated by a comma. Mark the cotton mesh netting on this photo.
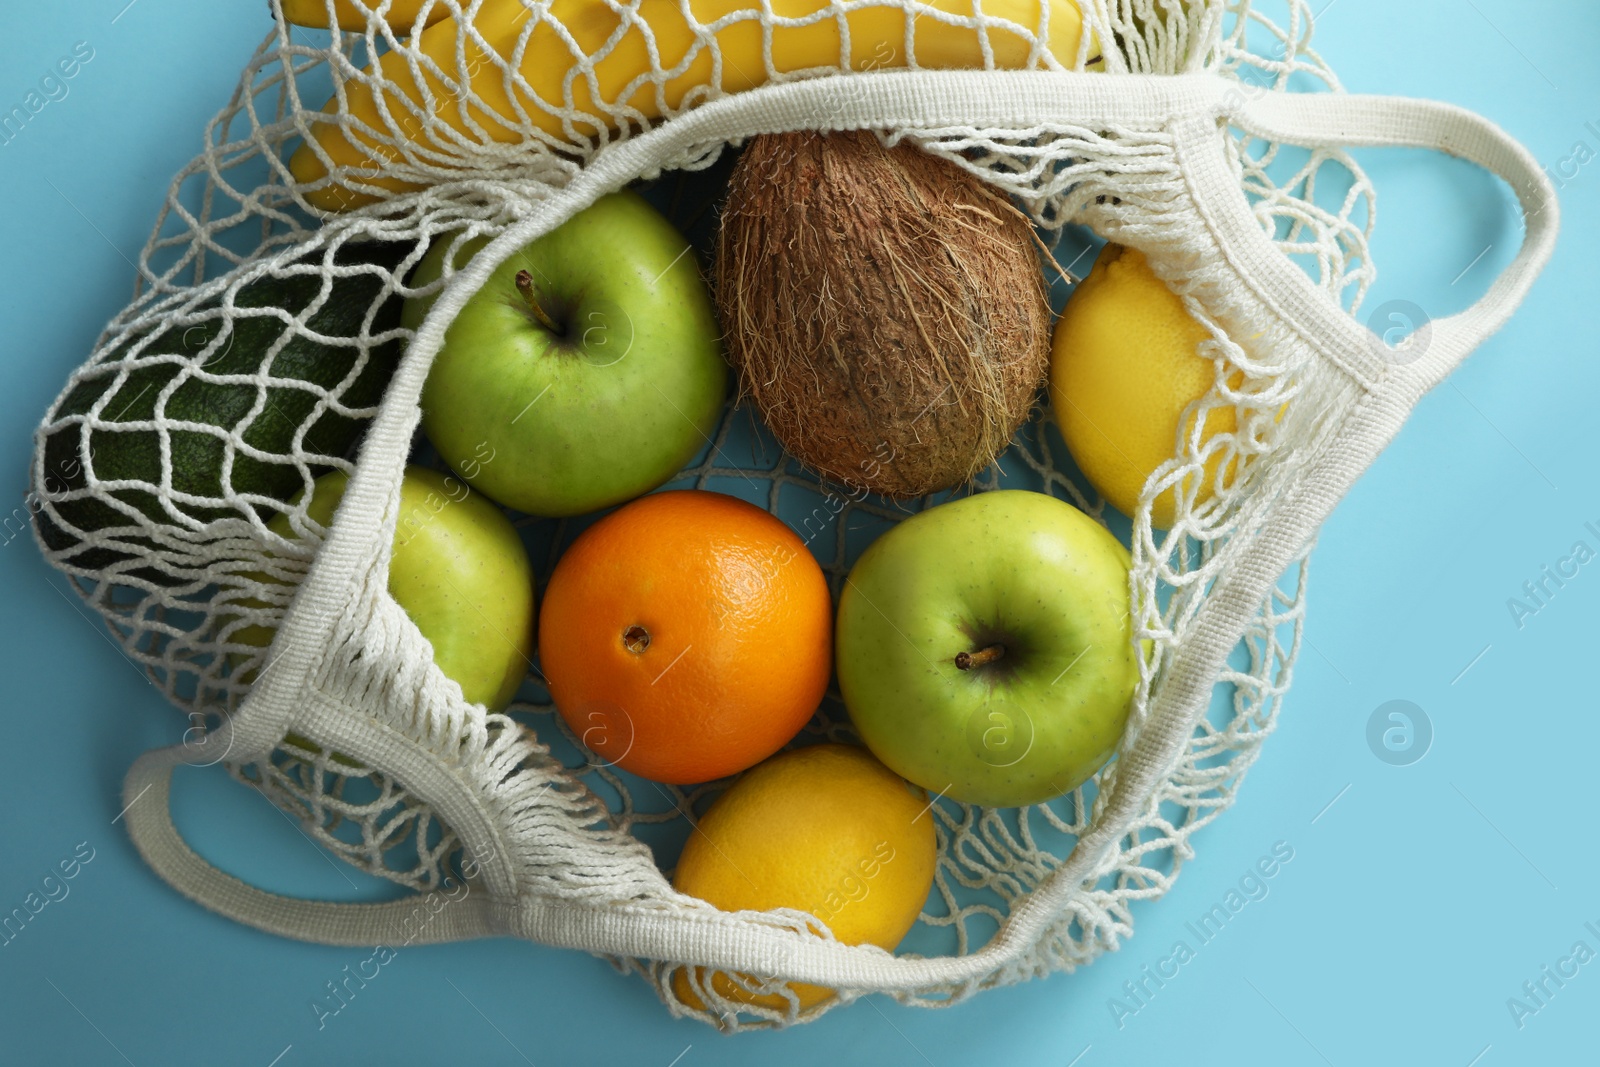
<point>263,331</point>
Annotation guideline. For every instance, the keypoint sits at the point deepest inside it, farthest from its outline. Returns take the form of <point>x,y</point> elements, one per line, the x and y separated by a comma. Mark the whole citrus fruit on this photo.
<point>686,636</point>
<point>1123,367</point>
<point>826,830</point>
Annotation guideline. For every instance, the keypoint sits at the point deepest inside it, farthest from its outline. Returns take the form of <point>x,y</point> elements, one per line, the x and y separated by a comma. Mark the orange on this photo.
<point>686,636</point>
<point>1125,364</point>
<point>827,830</point>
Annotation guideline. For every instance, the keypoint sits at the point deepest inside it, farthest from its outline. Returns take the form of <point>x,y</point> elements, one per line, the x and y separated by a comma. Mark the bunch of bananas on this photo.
<point>571,97</point>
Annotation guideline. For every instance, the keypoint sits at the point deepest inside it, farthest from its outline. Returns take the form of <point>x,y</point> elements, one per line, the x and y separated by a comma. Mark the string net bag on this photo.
<point>264,347</point>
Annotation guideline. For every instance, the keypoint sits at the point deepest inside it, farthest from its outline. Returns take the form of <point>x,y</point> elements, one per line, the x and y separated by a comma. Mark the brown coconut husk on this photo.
<point>885,309</point>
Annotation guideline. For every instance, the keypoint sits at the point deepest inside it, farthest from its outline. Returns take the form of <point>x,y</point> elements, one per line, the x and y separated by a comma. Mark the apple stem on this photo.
<point>530,294</point>
<point>965,661</point>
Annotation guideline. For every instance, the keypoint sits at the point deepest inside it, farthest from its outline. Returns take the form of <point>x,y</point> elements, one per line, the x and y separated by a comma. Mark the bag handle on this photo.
<point>434,917</point>
<point>1337,120</point>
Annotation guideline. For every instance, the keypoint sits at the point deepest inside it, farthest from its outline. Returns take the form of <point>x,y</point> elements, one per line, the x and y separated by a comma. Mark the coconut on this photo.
<point>885,309</point>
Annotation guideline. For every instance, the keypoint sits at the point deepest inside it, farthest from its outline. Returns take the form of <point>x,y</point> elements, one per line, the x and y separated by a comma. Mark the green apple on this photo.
<point>587,370</point>
<point>460,572</point>
<point>985,648</point>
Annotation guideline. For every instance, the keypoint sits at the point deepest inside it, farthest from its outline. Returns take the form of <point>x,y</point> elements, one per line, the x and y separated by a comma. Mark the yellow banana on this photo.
<point>353,14</point>
<point>877,40</point>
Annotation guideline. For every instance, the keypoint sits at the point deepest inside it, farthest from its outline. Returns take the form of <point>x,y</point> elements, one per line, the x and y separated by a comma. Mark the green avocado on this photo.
<point>186,369</point>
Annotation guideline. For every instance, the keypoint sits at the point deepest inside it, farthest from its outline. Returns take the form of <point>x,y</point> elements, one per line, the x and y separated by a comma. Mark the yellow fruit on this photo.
<point>354,14</point>
<point>1123,367</point>
<point>877,41</point>
<point>826,830</point>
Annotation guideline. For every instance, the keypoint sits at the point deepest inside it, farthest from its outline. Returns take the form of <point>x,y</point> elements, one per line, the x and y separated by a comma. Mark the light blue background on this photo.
<point>1413,908</point>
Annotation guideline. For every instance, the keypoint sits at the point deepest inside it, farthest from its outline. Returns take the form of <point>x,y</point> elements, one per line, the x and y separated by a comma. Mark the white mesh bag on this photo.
<point>1172,129</point>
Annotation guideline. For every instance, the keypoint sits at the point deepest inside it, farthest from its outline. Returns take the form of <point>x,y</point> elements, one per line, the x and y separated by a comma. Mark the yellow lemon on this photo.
<point>826,830</point>
<point>1123,366</point>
